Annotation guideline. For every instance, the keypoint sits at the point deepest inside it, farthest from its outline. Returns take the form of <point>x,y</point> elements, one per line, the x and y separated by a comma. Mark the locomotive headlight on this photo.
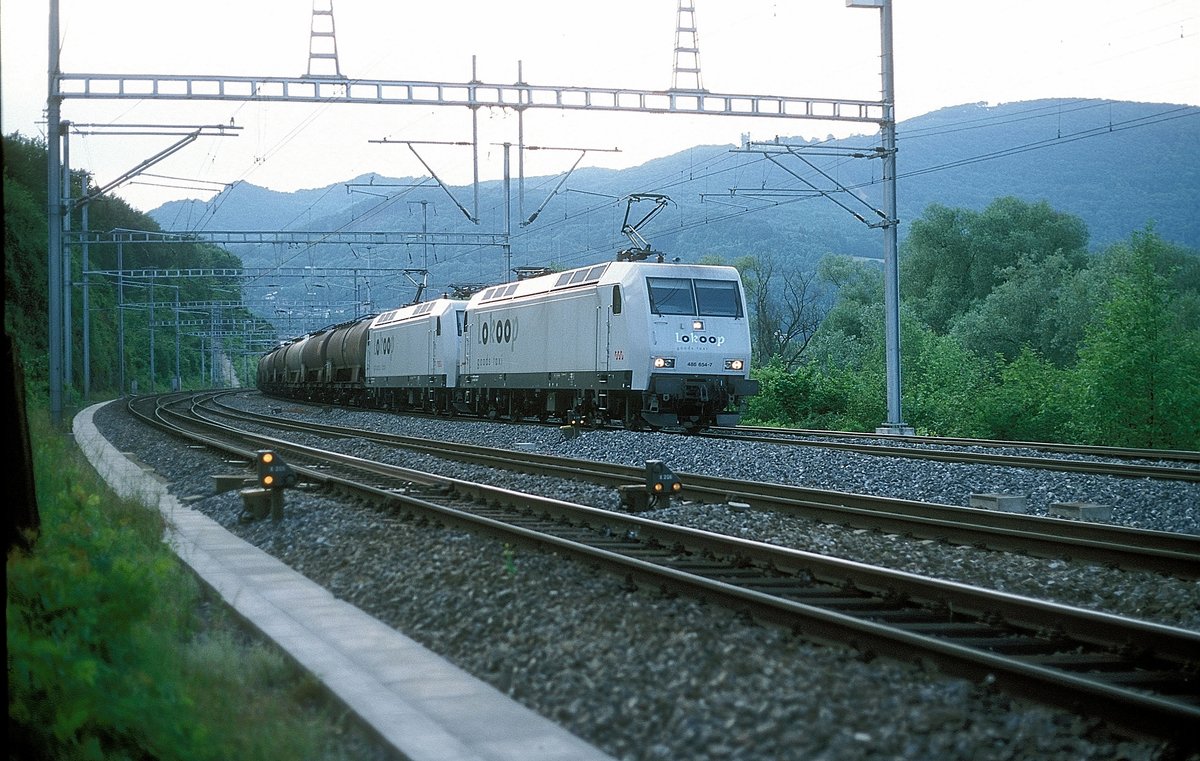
<point>697,324</point>
<point>661,362</point>
<point>734,364</point>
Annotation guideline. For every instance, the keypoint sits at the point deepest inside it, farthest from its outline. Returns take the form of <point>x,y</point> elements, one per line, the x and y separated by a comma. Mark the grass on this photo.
<point>115,651</point>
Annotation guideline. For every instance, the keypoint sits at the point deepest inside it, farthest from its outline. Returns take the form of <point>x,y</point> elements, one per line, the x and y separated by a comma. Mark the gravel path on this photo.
<point>647,677</point>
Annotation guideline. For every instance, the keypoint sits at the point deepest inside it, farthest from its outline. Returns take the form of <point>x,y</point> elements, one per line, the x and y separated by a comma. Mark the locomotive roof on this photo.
<point>608,272</point>
<point>412,311</point>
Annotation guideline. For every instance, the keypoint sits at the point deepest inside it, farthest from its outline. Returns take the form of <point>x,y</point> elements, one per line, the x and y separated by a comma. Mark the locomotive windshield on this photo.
<point>718,298</point>
<point>695,297</point>
<point>671,295</point>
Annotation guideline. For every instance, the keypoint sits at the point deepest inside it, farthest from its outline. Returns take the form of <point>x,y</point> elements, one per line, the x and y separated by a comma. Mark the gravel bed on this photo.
<point>648,677</point>
<point>1161,505</point>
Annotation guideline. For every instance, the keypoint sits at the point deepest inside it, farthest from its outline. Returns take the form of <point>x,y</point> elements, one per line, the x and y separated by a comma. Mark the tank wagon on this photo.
<point>637,343</point>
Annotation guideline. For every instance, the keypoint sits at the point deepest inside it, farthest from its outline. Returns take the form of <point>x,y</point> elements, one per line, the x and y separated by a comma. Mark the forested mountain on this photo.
<point>122,321</point>
<point>1116,165</point>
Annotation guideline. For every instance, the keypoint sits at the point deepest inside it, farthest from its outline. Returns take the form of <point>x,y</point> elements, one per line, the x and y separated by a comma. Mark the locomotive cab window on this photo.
<point>671,295</point>
<point>718,298</point>
<point>616,299</point>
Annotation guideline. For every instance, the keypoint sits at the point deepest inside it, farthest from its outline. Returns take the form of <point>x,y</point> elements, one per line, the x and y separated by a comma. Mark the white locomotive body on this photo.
<point>412,350</point>
<point>634,342</point>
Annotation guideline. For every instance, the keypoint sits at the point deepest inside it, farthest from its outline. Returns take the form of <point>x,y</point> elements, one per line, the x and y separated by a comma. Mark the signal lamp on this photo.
<point>273,472</point>
<point>660,479</point>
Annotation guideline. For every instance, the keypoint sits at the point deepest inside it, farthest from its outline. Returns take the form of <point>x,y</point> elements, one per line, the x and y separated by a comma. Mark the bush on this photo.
<point>1032,401</point>
<point>113,652</point>
<point>809,397</point>
<point>784,398</point>
<point>95,614</point>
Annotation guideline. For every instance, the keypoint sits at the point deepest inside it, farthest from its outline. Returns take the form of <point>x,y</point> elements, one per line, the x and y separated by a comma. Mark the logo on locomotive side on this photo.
<point>700,338</point>
<point>502,331</point>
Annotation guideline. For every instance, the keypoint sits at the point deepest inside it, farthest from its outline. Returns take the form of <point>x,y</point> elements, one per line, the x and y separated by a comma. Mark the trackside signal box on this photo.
<point>661,484</point>
<point>273,475</point>
<point>661,480</point>
<point>273,472</point>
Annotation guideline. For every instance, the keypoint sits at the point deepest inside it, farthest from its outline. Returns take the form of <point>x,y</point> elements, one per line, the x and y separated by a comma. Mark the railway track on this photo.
<point>1163,552</point>
<point>1112,461</point>
<point>1141,677</point>
<point>950,450</point>
<point>1172,455</point>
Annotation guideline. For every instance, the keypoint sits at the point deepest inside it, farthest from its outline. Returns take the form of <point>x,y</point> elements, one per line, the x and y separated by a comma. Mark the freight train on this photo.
<point>641,344</point>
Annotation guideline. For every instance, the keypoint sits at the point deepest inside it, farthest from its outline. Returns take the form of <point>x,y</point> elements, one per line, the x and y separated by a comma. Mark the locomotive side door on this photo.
<point>464,345</point>
<point>432,331</point>
<point>604,313</point>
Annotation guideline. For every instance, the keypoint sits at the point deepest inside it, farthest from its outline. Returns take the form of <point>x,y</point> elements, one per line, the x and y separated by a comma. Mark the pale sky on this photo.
<point>947,52</point>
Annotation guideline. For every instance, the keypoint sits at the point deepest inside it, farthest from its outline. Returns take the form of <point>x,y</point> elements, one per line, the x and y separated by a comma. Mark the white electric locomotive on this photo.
<point>638,343</point>
<point>644,344</point>
<point>413,355</point>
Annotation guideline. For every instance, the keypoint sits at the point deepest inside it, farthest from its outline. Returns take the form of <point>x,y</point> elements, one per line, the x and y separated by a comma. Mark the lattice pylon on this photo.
<point>687,49</point>
<point>322,43</point>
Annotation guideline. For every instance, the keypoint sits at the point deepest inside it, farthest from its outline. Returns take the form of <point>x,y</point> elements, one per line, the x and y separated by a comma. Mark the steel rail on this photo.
<point>1183,455</point>
<point>785,437</point>
<point>1095,467</point>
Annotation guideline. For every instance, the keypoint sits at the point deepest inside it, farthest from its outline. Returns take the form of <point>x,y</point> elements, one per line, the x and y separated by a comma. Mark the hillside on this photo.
<point>1116,165</point>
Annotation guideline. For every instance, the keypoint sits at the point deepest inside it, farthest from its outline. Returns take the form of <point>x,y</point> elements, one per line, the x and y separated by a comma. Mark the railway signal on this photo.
<point>273,476</point>
<point>273,472</point>
<point>661,484</point>
<point>660,480</point>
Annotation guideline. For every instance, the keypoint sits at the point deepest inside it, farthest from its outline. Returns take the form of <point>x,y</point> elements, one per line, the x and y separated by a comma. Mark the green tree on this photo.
<point>943,382</point>
<point>954,258</point>
<point>1139,370</point>
<point>1029,308</point>
<point>25,289</point>
<point>858,312</point>
<point>838,383</point>
<point>26,301</point>
<point>1031,400</point>
<point>935,271</point>
<point>786,307</point>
